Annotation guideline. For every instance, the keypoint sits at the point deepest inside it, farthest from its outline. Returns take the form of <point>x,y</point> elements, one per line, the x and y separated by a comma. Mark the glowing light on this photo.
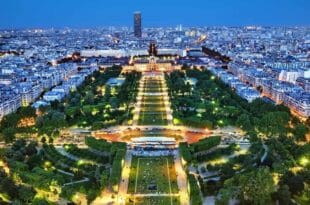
<point>295,170</point>
<point>5,197</point>
<point>219,161</point>
<point>47,164</point>
<point>80,162</point>
<point>176,121</point>
<point>94,111</point>
<point>276,178</point>
<point>242,152</point>
<point>237,167</point>
<point>304,161</point>
<point>129,122</point>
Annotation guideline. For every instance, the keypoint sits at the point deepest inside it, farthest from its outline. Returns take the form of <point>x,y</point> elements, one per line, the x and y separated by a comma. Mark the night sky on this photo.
<point>99,13</point>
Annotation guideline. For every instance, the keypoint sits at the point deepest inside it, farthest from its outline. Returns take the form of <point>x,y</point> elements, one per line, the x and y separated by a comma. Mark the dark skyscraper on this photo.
<point>137,24</point>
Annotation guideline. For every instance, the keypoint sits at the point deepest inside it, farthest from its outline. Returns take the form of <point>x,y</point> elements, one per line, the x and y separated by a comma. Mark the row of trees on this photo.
<point>194,190</point>
<point>117,165</point>
<point>87,154</point>
<point>205,144</point>
<point>117,151</point>
<point>10,125</point>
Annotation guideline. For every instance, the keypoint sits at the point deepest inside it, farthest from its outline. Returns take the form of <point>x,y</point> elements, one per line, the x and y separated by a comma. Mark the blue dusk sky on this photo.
<point>99,13</point>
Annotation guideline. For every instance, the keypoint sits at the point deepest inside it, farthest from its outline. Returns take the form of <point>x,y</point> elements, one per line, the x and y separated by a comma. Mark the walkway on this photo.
<point>123,186</point>
<point>262,159</point>
<point>182,180</point>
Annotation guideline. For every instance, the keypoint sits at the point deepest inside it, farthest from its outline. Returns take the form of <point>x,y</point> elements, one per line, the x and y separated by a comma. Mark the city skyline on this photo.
<point>81,14</point>
<point>163,102</point>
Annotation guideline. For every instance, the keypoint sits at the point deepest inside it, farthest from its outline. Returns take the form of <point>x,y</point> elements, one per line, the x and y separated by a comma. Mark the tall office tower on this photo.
<point>137,24</point>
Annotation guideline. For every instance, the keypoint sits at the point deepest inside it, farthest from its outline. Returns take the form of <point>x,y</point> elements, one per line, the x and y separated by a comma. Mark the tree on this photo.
<point>27,111</point>
<point>89,98</point>
<point>50,140</point>
<point>300,131</point>
<point>51,122</point>
<point>296,184</point>
<point>185,152</point>
<point>97,125</point>
<point>19,144</point>
<point>55,104</point>
<point>8,134</point>
<point>9,120</point>
<point>244,122</point>
<point>43,140</point>
<point>39,201</point>
<point>8,186</point>
<point>274,123</point>
<point>254,187</point>
<point>17,202</point>
<point>224,196</point>
<point>25,194</point>
<point>194,190</point>
<point>31,149</point>
<point>257,186</point>
<point>284,195</point>
<point>34,161</point>
<point>104,180</point>
<point>107,92</point>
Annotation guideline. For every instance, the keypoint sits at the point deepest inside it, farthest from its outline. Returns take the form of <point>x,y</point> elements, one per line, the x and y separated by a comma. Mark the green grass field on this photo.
<point>153,110</point>
<point>158,118</point>
<point>159,200</point>
<point>146,172</point>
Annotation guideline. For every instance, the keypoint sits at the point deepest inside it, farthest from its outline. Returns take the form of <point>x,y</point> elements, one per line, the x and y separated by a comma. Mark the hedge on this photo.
<point>185,152</point>
<point>194,191</point>
<point>206,144</point>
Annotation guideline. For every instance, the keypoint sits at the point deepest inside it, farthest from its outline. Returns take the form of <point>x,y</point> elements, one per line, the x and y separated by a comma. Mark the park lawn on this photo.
<point>152,114</point>
<point>154,118</point>
<point>158,200</point>
<point>153,87</point>
<point>158,103</point>
<point>152,99</point>
<point>152,90</point>
<point>148,171</point>
<point>154,109</point>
